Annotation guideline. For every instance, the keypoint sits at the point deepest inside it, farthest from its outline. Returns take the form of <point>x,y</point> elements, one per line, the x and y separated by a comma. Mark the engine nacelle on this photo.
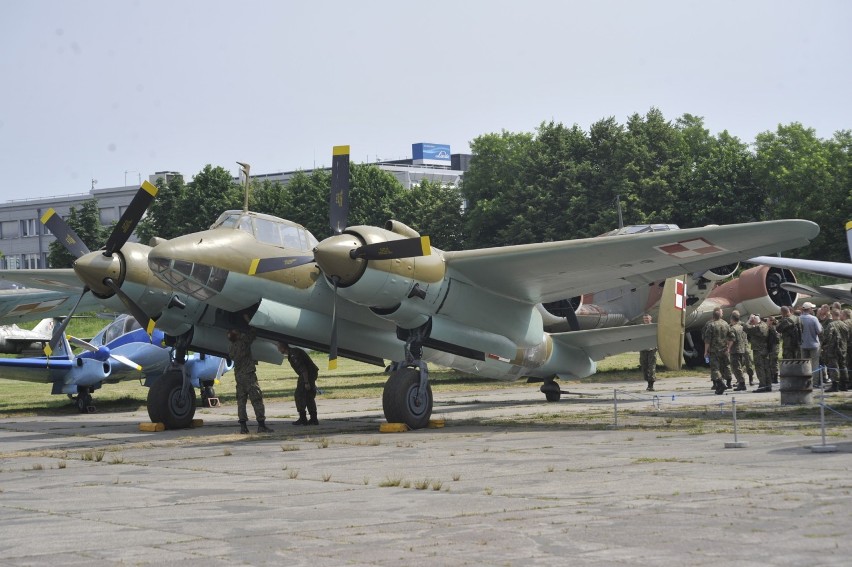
<point>381,284</point>
<point>762,292</point>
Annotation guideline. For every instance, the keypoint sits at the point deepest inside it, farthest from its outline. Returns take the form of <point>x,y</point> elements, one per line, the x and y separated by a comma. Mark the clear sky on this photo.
<point>115,89</point>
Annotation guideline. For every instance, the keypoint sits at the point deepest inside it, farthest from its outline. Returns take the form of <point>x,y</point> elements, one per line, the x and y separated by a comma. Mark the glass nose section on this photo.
<point>196,280</point>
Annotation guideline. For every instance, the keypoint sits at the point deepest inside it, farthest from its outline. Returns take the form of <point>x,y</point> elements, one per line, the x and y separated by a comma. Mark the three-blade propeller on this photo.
<point>96,269</point>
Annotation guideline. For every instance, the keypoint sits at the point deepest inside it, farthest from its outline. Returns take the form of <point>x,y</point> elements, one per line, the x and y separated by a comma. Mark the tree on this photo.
<point>436,210</point>
<point>86,223</point>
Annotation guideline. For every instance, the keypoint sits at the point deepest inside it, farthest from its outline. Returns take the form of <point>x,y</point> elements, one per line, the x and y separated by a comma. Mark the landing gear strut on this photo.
<point>407,397</point>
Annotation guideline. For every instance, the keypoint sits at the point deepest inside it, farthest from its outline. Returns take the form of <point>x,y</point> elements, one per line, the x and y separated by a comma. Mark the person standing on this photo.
<point>715,335</point>
<point>791,333</point>
<point>758,336</point>
<point>774,344</point>
<point>306,383</point>
<point>245,376</point>
<point>811,331</point>
<point>648,360</point>
<point>834,352</point>
<point>737,346</point>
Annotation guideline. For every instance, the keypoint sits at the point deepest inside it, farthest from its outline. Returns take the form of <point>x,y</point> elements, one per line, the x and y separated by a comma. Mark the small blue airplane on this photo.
<point>122,350</point>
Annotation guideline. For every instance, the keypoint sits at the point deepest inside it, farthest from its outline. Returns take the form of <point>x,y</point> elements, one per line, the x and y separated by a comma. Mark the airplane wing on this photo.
<point>841,292</point>
<point>535,273</point>
<point>64,280</point>
<point>18,305</point>
<point>830,269</point>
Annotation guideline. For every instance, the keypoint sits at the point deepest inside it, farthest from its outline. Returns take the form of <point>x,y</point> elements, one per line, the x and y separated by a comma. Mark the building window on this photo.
<point>30,261</point>
<point>10,263</point>
<point>29,227</point>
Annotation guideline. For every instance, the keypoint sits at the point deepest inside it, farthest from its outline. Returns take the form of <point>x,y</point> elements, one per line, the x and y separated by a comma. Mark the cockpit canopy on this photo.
<point>268,229</point>
<point>639,228</point>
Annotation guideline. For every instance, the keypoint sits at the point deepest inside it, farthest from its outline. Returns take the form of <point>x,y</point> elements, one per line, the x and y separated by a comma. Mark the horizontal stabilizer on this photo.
<point>601,343</point>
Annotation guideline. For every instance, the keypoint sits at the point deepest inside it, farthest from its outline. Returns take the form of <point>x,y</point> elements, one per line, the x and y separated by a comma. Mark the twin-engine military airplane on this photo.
<point>387,294</point>
<point>120,351</point>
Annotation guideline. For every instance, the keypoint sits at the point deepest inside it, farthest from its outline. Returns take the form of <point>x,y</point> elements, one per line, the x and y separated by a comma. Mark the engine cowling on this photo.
<point>762,292</point>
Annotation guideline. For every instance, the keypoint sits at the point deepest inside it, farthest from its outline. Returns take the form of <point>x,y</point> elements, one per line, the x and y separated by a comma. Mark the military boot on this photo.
<point>313,420</point>
<point>262,428</point>
<point>303,420</point>
<point>243,428</point>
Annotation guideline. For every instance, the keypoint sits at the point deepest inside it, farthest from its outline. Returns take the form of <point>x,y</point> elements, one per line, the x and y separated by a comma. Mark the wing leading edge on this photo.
<point>535,273</point>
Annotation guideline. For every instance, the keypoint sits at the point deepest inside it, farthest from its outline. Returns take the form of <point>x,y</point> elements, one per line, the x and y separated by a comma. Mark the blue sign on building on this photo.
<point>430,154</point>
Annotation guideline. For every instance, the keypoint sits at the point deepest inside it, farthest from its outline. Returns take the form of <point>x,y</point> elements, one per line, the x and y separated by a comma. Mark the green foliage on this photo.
<point>560,183</point>
<point>86,222</point>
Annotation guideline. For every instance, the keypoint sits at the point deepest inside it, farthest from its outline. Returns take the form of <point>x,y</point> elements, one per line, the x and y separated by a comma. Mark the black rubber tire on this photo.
<point>84,401</point>
<point>167,405</point>
<point>399,399</point>
<point>553,396</point>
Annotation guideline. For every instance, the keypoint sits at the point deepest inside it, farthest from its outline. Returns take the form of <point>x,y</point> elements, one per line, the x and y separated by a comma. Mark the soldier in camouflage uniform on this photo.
<point>758,336</point>
<point>306,383</point>
<point>834,352</point>
<point>648,360</point>
<point>791,334</point>
<point>715,335</point>
<point>737,343</point>
<point>774,342</point>
<point>846,317</point>
<point>246,378</point>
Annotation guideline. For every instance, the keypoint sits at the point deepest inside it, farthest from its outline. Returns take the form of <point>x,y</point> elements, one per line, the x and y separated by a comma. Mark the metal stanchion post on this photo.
<point>735,444</point>
<point>615,407</point>
<point>822,448</point>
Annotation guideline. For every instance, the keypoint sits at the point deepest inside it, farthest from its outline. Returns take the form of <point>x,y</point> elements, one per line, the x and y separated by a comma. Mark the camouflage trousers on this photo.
<point>835,361</point>
<point>305,398</point>
<point>249,389</point>
<point>761,368</point>
<point>720,366</point>
<point>648,364</point>
<point>737,365</point>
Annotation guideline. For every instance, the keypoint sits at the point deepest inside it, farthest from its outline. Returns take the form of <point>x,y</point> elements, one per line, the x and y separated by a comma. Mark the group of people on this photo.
<point>734,348</point>
<point>820,338</point>
<point>248,388</point>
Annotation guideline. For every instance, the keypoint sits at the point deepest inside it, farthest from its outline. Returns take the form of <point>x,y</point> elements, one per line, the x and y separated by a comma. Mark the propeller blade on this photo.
<point>134,309</point>
<point>59,331</point>
<point>92,348</point>
<point>125,360</point>
<point>128,221</point>
<point>82,344</point>
<point>338,205</point>
<point>263,265</point>
<point>64,233</point>
<point>332,350</point>
<point>393,249</point>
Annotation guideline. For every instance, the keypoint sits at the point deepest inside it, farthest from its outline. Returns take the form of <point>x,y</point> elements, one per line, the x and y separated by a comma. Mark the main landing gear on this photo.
<point>407,397</point>
<point>83,400</point>
<point>171,399</point>
<point>551,390</point>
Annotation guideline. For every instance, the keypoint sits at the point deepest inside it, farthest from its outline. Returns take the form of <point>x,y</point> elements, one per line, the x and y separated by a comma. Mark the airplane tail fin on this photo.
<point>45,326</point>
<point>671,321</point>
<point>63,349</point>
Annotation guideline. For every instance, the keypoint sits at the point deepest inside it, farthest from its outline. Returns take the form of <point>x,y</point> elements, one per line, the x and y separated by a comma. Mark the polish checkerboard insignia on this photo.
<point>690,248</point>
